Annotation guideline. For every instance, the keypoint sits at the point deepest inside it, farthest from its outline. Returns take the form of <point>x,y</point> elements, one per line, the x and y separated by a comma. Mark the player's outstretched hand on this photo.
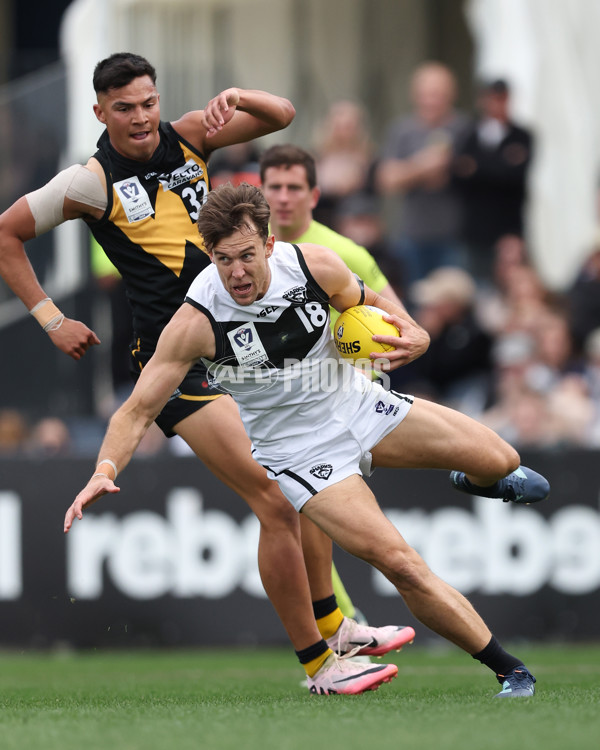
<point>412,341</point>
<point>73,338</point>
<point>220,110</point>
<point>94,489</point>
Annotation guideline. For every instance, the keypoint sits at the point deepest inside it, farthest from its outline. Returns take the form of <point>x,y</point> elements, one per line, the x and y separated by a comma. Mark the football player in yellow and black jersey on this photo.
<point>140,194</point>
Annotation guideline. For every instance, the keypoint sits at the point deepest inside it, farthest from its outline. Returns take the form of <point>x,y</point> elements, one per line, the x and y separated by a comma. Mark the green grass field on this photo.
<point>250,699</point>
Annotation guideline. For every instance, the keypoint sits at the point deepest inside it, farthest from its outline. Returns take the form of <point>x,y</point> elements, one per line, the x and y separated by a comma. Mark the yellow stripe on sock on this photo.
<point>329,624</point>
<point>313,666</point>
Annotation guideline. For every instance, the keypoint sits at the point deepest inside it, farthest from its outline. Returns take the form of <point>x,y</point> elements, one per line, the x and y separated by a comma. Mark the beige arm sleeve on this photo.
<point>77,183</point>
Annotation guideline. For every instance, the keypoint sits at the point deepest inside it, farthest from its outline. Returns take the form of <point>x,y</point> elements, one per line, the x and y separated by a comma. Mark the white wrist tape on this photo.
<point>47,314</point>
<point>55,323</point>
<point>112,464</point>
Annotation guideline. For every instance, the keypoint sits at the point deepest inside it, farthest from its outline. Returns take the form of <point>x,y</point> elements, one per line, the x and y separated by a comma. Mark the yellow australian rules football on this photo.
<point>354,331</point>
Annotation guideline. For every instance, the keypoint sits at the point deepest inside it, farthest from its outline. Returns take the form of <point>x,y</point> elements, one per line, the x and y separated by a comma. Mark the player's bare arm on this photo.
<point>31,216</point>
<point>414,336</point>
<point>388,293</point>
<point>335,278</point>
<point>186,338</point>
<point>235,116</point>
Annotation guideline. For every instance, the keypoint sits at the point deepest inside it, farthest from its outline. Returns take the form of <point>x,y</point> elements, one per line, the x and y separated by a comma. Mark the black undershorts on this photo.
<point>194,393</point>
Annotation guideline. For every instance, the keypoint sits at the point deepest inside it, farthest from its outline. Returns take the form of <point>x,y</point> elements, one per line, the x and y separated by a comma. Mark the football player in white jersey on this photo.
<point>249,280</point>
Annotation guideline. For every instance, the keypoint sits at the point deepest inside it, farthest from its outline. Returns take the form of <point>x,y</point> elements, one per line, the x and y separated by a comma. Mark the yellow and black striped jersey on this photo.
<point>149,227</point>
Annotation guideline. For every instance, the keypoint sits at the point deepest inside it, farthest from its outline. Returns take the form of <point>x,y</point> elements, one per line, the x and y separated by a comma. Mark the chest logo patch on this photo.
<point>247,346</point>
<point>188,172</point>
<point>134,199</point>
<point>296,295</point>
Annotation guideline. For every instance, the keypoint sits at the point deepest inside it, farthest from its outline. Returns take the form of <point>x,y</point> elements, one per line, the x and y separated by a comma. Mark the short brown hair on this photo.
<point>230,208</point>
<point>287,155</point>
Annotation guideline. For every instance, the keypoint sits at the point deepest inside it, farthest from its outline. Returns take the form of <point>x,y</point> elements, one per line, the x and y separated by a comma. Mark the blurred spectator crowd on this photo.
<point>441,204</point>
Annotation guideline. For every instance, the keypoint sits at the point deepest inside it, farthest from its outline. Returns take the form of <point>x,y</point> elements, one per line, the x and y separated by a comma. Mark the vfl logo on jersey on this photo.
<point>243,338</point>
<point>382,408</point>
<point>134,199</point>
<point>247,346</point>
<point>190,171</point>
<point>322,471</point>
<point>297,295</point>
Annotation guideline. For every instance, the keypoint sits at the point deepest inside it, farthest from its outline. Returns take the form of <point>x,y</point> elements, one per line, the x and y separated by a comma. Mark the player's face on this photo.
<point>131,115</point>
<point>242,263</point>
<point>291,200</point>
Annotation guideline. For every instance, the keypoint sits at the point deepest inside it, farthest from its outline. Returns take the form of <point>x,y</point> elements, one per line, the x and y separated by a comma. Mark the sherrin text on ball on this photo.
<point>354,331</point>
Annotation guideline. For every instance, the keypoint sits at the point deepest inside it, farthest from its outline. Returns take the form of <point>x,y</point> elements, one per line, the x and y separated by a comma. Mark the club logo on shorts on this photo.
<point>382,408</point>
<point>322,471</point>
<point>297,295</point>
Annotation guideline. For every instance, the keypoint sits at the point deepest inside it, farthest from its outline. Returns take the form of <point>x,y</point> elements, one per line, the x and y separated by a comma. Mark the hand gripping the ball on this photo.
<point>410,342</point>
<point>365,332</point>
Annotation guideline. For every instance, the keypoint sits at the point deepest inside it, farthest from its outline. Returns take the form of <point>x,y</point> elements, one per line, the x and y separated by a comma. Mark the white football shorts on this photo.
<point>368,416</point>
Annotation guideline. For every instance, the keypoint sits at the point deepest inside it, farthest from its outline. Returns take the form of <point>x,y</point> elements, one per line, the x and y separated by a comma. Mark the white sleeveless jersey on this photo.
<point>276,357</point>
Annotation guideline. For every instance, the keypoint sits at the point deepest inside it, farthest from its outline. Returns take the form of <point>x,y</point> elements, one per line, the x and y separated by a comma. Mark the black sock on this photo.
<point>312,652</point>
<point>324,607</point>
<point>497,659</point>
